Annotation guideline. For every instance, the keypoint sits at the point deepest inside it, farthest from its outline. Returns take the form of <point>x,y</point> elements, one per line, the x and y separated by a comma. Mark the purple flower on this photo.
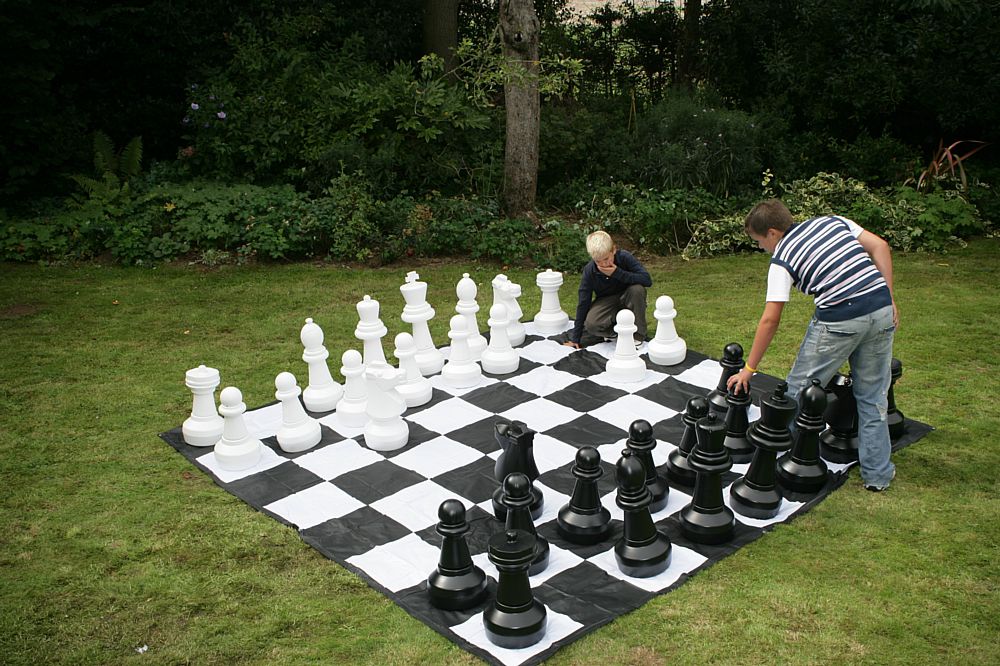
<point>221,115</point>
<point>186,120</point>
<point>194,106</point>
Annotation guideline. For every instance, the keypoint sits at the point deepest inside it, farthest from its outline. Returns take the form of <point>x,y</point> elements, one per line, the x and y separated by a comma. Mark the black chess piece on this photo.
<point>839,442</point>
<point>641,442</point>
<point>517,441</point>
<point>643,550</point>
<point>515,619</point>
<point>517,499</point>
<point>740,448</point>
<point>583,519</point>
<point>732,362</point>
<point>756,494</point>
<point>801,470</point>
<point>677,467</point>
<point>457,583</point>
<point>707,519</point>
<point>895,418</point>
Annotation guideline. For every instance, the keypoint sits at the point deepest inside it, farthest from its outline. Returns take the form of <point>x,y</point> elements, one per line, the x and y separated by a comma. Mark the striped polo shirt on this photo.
<point>823,258</point>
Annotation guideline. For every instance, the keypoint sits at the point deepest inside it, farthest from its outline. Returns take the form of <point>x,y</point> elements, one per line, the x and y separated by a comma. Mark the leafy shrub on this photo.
<point>287,111</point>
<point>563,248</point>
<point>505,240</point>
<point>683,142</point>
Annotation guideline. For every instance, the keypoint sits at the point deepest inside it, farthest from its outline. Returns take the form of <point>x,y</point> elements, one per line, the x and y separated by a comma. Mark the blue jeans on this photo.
<point>866,342</point>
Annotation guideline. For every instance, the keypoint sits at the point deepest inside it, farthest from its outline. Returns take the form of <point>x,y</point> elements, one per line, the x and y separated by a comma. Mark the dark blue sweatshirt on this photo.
<point>628,271</point>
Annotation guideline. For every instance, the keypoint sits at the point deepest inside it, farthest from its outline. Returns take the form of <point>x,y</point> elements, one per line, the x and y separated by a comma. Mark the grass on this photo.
<point>110,541</point>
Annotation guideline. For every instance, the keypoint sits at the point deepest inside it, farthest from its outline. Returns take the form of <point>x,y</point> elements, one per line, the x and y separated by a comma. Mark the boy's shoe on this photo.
<point>877,489</point>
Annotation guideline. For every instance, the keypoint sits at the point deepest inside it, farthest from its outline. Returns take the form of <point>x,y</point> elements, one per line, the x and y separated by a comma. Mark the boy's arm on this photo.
<point>881,255</point>
<point>766,328</point>
<point>631,271</point>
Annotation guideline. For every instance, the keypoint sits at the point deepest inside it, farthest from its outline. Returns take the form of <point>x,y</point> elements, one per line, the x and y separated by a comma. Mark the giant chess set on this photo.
<point>509,491</point>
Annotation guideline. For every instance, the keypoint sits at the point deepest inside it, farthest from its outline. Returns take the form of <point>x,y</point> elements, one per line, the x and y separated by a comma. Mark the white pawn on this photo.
<point>467,306</point>
<point>666,348</point>
<point>322,392</point>
<point>370,331</point>
<point>236,450</point>
<point>299,431</point>
<point>626,366</point>
<point>204,426</point>
<point>418,312</point>
<point>499,358</point>
<point>386,430</point>
<point>352,408</point>
<point>415,389</point>
<point>551,318</point>
<point>461,370</point>
<point>515,329</point>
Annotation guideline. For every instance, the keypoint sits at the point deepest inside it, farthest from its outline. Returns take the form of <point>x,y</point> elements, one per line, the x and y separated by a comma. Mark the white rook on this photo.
<point>204,426</point>
<point>550,318</point>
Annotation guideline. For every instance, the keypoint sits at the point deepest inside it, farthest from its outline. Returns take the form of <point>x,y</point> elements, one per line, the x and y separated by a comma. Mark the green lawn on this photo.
<point>112,541</point>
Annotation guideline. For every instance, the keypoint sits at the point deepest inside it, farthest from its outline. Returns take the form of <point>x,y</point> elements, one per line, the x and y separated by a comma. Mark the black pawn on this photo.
<point>643,550</point>
<point>839,442</point>
<point>641,443</point>
<point>707,519</point>
<point>517,441</point>
<point>517,498</point>
<point>756,494</point>
<point>515,619</point>
<point>584,520</point>
<point>801,470</point>
<point>897,422</point>
<point>457,584</point>
<point>737,423</point>
<point>678,469</point>
<point>732,362</point>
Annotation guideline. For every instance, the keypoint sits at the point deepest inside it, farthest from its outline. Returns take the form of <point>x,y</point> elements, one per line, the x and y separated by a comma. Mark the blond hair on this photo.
<point>599,244</point>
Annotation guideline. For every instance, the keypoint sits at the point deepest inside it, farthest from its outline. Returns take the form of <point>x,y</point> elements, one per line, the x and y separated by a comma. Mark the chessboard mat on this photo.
<point>375,513</point>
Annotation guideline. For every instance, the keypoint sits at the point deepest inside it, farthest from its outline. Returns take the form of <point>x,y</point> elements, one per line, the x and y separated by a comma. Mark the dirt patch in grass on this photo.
<point>19,310</point>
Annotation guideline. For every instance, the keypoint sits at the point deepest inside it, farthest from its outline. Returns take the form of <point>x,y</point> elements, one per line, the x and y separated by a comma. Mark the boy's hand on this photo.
<point>607,267</point>
<point>570,343</point>
<point>741,380</point>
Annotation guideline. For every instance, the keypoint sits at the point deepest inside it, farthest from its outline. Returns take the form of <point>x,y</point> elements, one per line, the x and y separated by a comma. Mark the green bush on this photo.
<point>563,247</point>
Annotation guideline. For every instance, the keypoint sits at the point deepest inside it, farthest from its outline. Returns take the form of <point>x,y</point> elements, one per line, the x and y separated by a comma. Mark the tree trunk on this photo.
<point>519,37</point>
<point>441,30</point>
<point>687,68</point>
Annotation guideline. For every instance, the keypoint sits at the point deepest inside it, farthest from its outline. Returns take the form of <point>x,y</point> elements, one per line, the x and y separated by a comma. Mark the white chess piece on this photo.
<point>386,430</point>
<point>418,312</point>
<point>322,392</point>
<point>370,331</point>
<point>467,306</point>
<point>299,431</point>
<point>515,329</point>
<point>415,388</point>
<point>352,408</point>
<point>666,348</point>
<point>551,318</point>
<point>461,370</point>
<point>204,426</point>
<point>626,366</point>
<point>499,358</point>
<point>236,450</point>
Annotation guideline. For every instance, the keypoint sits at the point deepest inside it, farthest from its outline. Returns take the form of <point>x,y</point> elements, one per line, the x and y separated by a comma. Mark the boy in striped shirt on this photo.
<point>848,271</point>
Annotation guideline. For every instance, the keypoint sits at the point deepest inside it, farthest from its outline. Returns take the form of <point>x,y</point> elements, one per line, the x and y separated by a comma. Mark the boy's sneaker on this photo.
<point>878,489</point>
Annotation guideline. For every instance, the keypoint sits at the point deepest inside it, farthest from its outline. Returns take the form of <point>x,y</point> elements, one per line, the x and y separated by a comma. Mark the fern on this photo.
<point>130,159</point>
<point>104,153</point>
